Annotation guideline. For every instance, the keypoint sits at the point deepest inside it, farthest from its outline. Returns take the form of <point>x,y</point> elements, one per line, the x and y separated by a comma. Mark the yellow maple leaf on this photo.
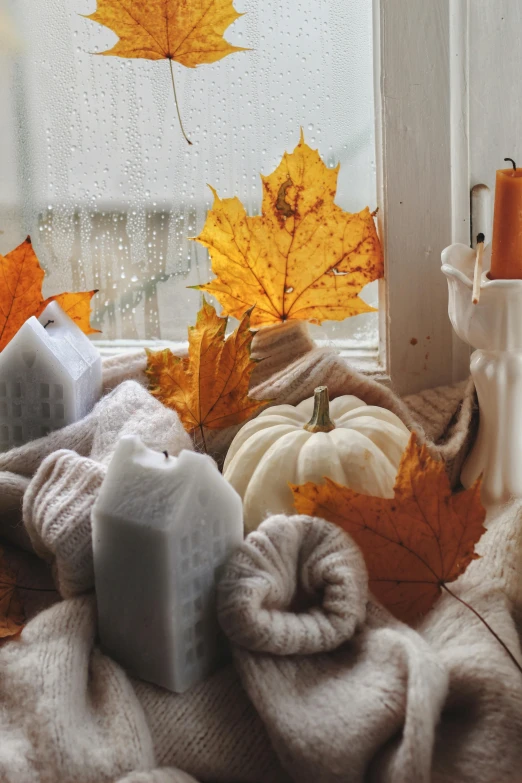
<point>209,387</point>
<point>21,278</point>
<point>413,544</point>
<point>304,258</point>
<point>77,306</point>
<point>187,31</point>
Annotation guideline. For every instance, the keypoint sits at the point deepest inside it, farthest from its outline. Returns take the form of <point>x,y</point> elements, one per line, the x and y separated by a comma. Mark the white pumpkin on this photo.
<point>360,446</point>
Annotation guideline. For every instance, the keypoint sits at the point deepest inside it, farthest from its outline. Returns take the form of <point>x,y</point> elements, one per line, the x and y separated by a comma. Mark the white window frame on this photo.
<point>421,66</point>
<point>422,143</point>
<point>421,77</point>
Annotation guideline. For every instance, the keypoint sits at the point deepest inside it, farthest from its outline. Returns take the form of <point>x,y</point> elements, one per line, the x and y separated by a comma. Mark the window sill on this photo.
<point>364,359</point>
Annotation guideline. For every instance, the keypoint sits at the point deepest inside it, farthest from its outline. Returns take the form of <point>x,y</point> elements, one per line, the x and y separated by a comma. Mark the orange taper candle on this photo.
<point>506,250</point>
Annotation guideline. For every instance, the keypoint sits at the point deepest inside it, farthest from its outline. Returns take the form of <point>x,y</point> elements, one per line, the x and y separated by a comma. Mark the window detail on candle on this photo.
<point>109,187</point>
<point>158,556</point>
<point>61,353</point>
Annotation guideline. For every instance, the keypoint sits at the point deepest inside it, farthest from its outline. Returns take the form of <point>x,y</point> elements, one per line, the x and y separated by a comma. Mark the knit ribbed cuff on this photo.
<point>275,346</point>
<point>297,585</point>
<point>57,515</point>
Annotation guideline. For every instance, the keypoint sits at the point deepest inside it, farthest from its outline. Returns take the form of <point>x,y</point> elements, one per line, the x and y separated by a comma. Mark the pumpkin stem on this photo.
<point>320,421</point>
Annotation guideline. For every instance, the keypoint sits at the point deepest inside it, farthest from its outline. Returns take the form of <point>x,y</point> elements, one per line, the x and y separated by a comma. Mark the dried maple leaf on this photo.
<point>12,616</point>
<point>209,387</point>
<point>187,31</point>
<point>414,543</point>
<point>304,258</point>
<point>21,278</point>
<point>77,306</point>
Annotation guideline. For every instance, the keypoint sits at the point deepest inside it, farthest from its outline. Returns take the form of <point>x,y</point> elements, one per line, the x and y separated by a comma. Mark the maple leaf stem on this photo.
<point>482,620</point>
<point>177,104</point>
<point>202,431</point>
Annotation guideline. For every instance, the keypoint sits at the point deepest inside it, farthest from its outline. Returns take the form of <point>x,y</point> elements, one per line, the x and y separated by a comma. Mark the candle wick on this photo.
<point>512,162</point>
<point>480,238</point>
<point>166,453</point>
<point>47,324</point>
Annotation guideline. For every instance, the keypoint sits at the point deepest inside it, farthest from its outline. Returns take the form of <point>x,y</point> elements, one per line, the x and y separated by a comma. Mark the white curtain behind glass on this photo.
<point>96,170</point>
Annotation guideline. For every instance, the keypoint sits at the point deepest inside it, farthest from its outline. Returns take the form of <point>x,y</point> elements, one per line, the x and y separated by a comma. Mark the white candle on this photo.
<point>162,529</point>
<point>50,376</point>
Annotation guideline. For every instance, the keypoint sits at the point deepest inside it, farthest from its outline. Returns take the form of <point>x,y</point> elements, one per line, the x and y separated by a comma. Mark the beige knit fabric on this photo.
<point>500,550</point>
<point>435,408</point>
<point>212,731</point>
<point>166,775</point>
<point>57,515</point>
<point>68,714</point>
<point>440,704</point>
<point>385,681</point>
<point>295,558</point>
<point>332,688</point>
<point>376,705</point>
<point>58,501</point>
<point>124,367</point>
<point>275,347</point>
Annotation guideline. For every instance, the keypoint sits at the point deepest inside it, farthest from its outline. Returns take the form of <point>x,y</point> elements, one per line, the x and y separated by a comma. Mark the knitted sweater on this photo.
<point>350,694</point>
<point>332,690</point>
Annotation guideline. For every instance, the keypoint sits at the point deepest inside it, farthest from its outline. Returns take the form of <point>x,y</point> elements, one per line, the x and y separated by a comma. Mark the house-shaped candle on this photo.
<point>50,376</point>
<point>162,528</point>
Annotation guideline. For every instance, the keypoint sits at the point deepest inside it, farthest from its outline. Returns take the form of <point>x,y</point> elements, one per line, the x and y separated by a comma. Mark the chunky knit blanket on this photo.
<point>336,690</point>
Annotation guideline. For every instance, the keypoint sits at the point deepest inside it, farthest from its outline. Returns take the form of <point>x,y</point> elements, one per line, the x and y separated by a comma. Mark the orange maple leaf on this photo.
<point>12,617</point>
<point>21,278</point>
<point>209,387</point>
<point>187,31</point>
<point>304,258</point>
<point>414,543</point>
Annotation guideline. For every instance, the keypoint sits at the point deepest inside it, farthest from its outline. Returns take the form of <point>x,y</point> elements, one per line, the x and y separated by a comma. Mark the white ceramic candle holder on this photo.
<point>494,328</point>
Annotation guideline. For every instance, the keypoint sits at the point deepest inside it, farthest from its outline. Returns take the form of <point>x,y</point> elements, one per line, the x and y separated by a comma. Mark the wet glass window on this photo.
<point>96,169</point>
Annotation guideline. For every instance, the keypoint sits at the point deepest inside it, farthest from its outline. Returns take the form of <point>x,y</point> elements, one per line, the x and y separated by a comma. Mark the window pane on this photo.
<point>108,188</point>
